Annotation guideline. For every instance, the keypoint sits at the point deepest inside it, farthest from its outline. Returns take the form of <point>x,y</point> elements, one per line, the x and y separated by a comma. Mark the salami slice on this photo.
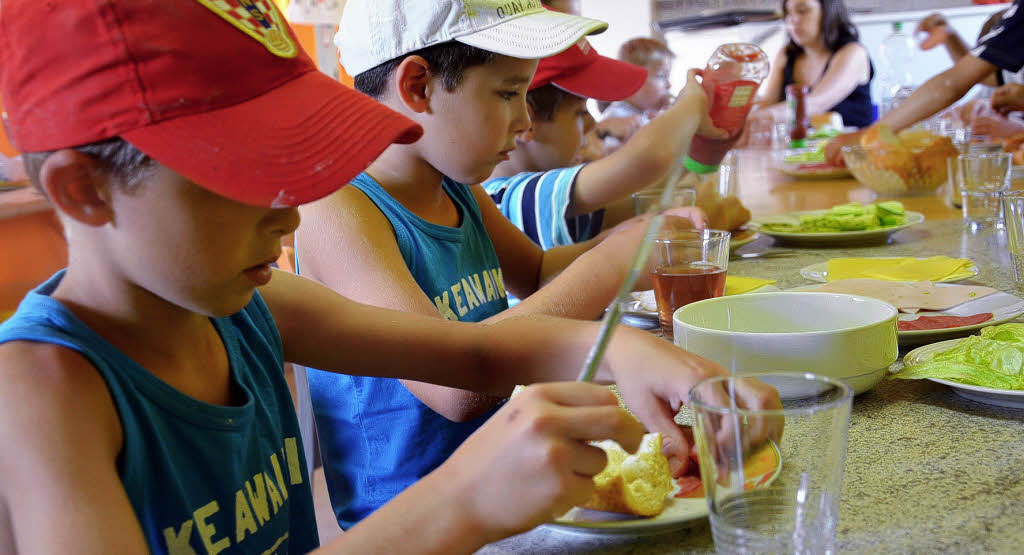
<point>942,322</point>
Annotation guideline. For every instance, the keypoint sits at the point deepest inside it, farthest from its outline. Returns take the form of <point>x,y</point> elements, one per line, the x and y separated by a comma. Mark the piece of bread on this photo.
<point>827,120</point>
<point>931,160</point>
<point>887,152</point>
<point>632,484</point>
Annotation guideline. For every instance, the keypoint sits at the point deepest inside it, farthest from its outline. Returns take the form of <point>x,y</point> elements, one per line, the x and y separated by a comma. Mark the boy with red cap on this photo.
<point>410,235</point>
<point>143,398</point>
<point>540,190</point>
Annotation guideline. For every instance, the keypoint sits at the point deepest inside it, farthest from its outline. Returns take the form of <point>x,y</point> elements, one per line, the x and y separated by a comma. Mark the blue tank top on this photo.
<point>201,478</point>
<point>376,438</point>
<point>856,108</point>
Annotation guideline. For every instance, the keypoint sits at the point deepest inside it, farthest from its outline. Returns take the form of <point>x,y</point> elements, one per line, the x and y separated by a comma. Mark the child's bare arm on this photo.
<point>529,462</point>
<point>348,245</point>
<point>324,330</point>
<point>58,469</point>
<point>938,92</point>
<point>647,156</point>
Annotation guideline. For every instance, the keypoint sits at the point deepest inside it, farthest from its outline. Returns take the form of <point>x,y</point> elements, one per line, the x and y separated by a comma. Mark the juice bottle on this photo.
<point>731,78</point>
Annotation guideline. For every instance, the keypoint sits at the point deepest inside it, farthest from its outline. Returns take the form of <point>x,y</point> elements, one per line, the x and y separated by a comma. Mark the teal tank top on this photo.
<point>202,478</point>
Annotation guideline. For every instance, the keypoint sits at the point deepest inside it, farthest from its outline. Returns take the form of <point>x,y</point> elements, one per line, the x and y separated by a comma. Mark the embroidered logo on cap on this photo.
<point>259,19</point>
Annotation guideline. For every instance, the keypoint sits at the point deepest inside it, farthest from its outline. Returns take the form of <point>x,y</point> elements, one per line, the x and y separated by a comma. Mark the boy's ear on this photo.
<point>75,184</point>
<point>412,78</point>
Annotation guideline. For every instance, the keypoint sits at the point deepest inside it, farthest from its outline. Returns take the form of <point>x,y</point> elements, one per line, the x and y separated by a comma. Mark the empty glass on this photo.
<point>984,177</point>
<point>795,507</point>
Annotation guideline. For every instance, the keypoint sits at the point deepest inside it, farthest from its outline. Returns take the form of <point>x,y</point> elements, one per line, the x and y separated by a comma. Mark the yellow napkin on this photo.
<point>734,285</point>
<point>936,268</point>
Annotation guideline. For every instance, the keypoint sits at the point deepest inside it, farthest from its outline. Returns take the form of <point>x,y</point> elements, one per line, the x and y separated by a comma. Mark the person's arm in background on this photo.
<point>934,95</point>
<point>939,31</point>
<point>649,155</point>
<point>849,68</point>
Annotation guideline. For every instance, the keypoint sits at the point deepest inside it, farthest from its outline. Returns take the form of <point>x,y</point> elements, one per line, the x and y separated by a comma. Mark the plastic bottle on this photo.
<point>799,119</point>
<point>731,78</point>
<point>895,83</point>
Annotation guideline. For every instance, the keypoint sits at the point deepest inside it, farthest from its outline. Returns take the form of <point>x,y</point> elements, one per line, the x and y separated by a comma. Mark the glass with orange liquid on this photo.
<point>687,266</point>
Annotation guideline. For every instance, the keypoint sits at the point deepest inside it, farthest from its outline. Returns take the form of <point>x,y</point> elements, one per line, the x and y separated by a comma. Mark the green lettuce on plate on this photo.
<point>993,359</point>
<point>845,217</point>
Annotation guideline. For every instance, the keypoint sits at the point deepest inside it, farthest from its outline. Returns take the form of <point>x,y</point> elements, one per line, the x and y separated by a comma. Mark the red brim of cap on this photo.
<point>296,143</point>
<point>606,79</point>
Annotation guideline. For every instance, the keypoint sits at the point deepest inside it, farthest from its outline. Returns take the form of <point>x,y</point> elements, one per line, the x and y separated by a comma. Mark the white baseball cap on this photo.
<point>375,31</point>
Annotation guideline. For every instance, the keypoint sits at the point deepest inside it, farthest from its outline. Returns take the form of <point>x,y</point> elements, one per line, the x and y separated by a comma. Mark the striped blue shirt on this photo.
<point>537,203</point>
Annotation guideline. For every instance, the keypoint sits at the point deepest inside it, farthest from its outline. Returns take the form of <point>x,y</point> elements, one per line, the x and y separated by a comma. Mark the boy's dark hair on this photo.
<point>836,28</point>
<point>545,100</point>
<point>126,164</point>
<point>448,60</point>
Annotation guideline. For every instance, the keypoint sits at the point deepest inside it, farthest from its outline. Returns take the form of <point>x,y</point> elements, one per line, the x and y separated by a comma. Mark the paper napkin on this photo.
<point>936,268</point>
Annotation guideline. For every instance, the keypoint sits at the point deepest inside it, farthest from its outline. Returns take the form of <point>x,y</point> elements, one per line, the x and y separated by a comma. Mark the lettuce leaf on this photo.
<point>993,359</point>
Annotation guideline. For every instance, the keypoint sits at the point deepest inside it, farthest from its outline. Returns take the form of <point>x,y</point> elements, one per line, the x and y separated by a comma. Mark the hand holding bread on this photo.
<point>533,459</point>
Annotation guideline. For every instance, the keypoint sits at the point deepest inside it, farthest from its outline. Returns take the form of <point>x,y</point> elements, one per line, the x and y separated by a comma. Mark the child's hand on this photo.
<point>655,378</point>
<point>621,128</point>
<point>531,461</point>
<point>1008,98</point>
<point>693,91</point>
<point>935,29</point>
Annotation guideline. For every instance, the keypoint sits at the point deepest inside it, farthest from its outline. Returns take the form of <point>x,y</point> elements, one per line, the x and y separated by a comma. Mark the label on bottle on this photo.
<point>730,104</point>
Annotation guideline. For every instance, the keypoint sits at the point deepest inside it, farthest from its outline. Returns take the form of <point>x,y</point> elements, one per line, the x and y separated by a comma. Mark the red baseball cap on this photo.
<point>218,90</point>
<point>583,72</point>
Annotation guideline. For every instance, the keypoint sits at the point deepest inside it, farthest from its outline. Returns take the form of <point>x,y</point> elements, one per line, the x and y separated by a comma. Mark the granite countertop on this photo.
<point>926,470</point>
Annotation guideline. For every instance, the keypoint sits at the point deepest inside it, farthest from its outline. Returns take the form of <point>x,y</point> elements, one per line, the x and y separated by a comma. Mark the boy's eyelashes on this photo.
<point>508,95</point>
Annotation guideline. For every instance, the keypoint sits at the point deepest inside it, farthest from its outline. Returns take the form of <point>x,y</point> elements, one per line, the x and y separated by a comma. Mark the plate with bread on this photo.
<point>635,494</point>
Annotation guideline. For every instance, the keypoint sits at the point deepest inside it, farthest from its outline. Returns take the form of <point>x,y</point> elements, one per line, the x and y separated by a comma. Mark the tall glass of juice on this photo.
<point>687,266</point>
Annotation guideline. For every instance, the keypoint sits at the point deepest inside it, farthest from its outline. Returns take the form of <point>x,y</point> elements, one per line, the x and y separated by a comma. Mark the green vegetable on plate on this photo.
<point>993,359</point>
<point>845,217</point>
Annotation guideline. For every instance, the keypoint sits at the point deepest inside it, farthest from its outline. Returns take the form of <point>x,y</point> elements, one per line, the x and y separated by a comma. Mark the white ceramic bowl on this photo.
<point>842,336</point>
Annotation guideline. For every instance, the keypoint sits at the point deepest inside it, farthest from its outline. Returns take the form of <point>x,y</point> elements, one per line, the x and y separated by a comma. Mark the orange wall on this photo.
<point>306,38</point>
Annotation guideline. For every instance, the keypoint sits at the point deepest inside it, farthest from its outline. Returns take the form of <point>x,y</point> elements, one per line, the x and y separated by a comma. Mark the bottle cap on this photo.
<point>699,167</point>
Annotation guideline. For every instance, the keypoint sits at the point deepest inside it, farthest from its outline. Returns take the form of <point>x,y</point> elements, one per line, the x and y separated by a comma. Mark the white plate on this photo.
<point>1002,397</point>
<point>636,308</point>
<point>676,514</point>
<point>1003,306</point>
<point>837,238</point>
<point>819,272</point>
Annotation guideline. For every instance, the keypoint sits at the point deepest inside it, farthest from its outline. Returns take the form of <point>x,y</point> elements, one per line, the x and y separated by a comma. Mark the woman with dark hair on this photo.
<point>824,53</point>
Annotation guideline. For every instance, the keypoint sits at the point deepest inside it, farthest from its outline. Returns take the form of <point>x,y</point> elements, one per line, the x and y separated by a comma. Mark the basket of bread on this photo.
<point>912,162</point>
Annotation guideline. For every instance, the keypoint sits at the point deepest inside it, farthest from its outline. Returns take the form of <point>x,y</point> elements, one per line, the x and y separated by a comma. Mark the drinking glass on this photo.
<point>794,509</point>
<point>1013,215</point>
<point>985,176</point>
<point>645,201</point>
<point>687,266</point>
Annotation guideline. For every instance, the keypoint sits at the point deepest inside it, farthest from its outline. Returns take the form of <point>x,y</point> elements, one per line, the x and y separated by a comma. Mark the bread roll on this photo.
<point>632,484</point>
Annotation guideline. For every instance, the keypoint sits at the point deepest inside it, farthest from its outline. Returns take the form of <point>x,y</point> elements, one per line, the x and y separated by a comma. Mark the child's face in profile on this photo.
<point>556,143</point>
<point>470,130</point>
<point>656,92</point>
<point>192,247</point>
